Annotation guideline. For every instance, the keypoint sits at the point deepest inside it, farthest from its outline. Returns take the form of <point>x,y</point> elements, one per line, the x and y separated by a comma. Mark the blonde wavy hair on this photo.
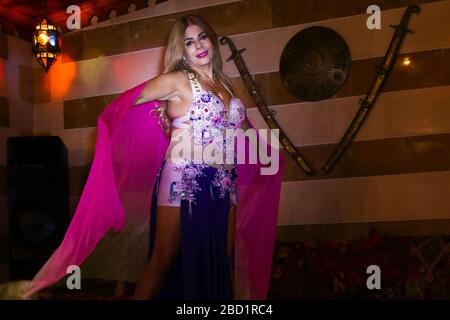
<point>174,61</point>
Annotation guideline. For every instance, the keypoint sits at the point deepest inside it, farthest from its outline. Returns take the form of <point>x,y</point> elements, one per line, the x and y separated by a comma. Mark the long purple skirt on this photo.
<point>201,268</point>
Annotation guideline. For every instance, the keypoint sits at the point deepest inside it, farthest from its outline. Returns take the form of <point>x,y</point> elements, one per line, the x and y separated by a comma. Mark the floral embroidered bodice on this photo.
<point>208,116</point>
<point>208,124</point>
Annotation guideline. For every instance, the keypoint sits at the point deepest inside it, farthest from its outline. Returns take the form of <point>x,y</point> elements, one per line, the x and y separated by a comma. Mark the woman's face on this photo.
<point>198,48</point>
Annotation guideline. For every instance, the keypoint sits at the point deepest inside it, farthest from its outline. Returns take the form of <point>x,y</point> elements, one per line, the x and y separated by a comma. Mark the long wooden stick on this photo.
<point>368,102</point>
<point>266,113</point>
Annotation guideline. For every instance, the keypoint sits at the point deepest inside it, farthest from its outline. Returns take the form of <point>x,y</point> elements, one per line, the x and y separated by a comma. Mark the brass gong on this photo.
<point>315,63</point>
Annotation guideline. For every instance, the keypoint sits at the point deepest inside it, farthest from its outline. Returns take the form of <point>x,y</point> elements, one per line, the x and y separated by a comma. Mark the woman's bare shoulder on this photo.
<point>166,86</point>
<point>176,76</point>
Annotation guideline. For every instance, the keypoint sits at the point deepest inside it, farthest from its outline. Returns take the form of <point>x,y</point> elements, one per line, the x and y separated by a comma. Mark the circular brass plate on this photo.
<point>315,63</point>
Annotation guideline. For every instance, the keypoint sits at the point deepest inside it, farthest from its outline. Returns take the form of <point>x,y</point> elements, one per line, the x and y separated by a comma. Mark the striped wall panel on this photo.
<point>161,7</point>
<point>415,154</point>
<point>152,32</point>
<point>393,197</point>
<point>16,84</point>
<point>418,196</point>
<point>379,157</point>
<point>227,19</point>
<point>396,114</point>
<point>74,80</point>
<point>429,70</point>
<point>84,112</point>
<point>47,117</point>
<point>403,114</point>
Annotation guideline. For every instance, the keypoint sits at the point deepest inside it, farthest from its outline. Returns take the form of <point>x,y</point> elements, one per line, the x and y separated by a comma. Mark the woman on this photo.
<point>196,221</point>
<point>199,102</point>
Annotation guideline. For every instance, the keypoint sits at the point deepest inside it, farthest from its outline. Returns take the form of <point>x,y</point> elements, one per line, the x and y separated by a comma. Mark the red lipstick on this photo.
<point>202,55</point>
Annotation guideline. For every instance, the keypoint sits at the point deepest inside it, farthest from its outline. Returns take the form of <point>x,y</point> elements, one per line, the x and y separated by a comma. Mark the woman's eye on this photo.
<point>188,43</point>
<point>203,37</point>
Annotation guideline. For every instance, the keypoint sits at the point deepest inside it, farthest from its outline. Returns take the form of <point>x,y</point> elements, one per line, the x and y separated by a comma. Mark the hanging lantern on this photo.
<point>46,43</point>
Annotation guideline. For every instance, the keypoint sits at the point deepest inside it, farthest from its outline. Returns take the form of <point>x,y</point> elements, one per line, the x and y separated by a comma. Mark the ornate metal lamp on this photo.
<point>46,43</point>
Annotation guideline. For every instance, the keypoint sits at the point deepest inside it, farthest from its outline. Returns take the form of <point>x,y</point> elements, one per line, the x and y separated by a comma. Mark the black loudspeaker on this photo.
<point>38,201</point>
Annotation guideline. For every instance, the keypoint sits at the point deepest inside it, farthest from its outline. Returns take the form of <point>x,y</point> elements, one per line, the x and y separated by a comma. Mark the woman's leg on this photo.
<point>165,249</point>
<point>230,242</point>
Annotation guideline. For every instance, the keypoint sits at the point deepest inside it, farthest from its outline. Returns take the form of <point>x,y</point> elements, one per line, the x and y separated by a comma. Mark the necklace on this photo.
<point>217,93</point>
<point>212,83</point>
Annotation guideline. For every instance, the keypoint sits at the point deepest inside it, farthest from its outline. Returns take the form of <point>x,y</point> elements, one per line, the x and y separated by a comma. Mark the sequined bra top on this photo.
<point>208,115</point>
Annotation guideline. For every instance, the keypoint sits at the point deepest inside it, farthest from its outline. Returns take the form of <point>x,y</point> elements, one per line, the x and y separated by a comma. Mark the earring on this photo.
<point>185,60</point>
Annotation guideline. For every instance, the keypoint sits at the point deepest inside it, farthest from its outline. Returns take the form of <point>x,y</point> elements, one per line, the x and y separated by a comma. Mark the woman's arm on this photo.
<point>162,87</point>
